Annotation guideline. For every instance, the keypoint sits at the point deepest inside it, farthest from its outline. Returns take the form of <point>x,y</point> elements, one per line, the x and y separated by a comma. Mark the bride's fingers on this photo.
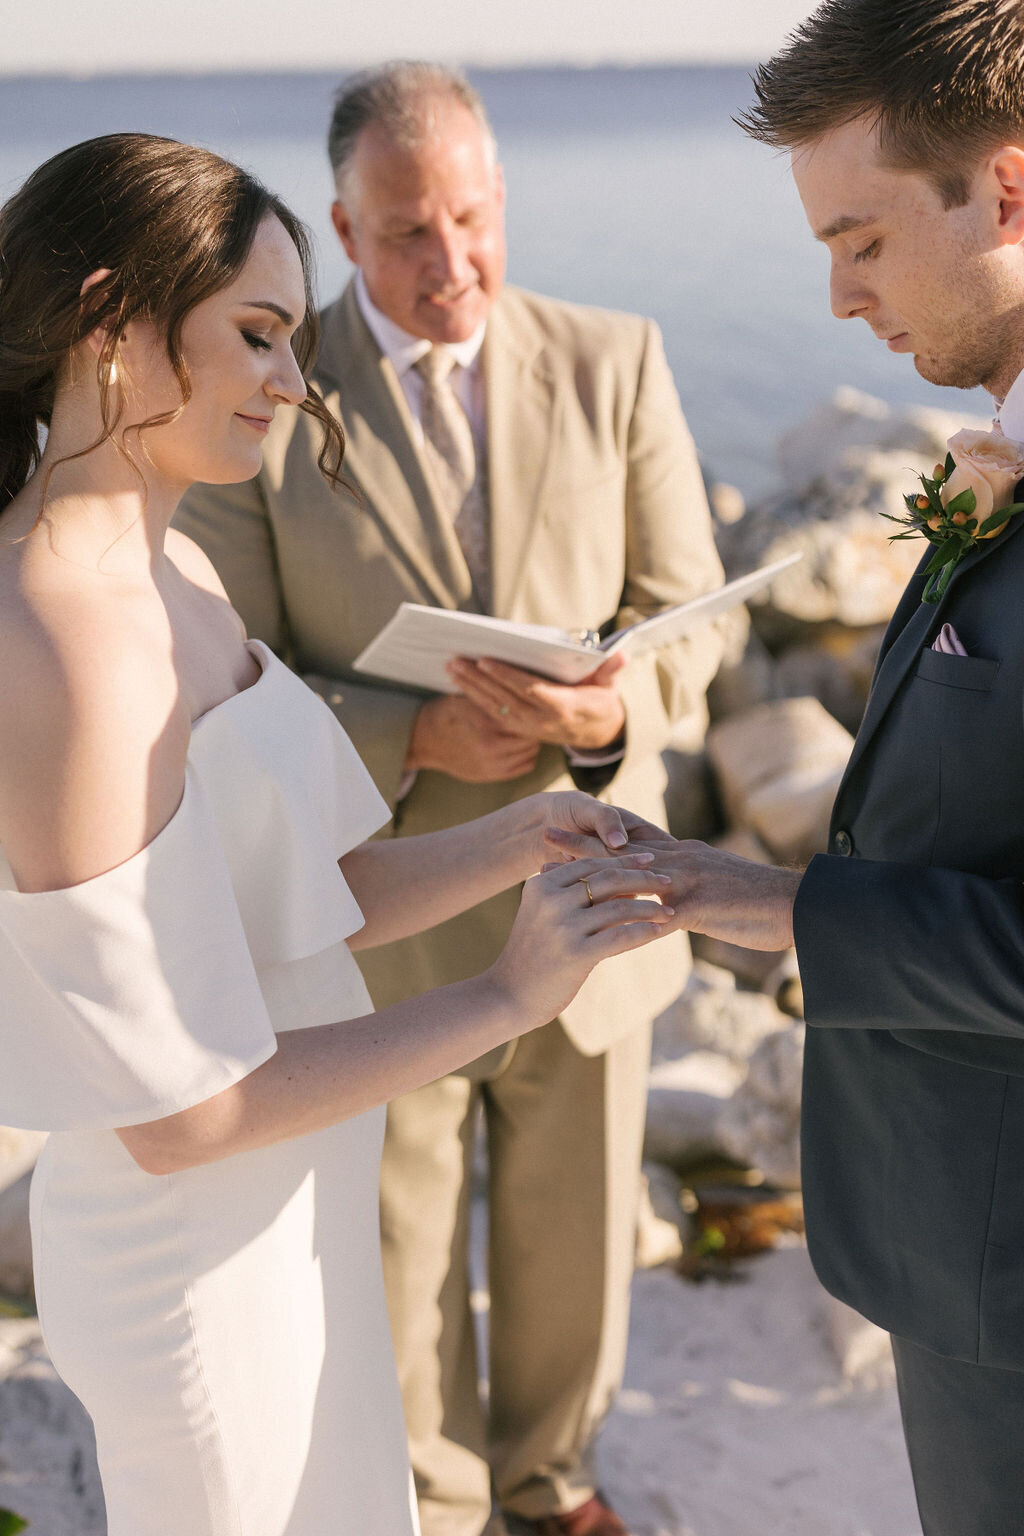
<point>578,870</point>
<point>624,909</point>
<point>624,936</point>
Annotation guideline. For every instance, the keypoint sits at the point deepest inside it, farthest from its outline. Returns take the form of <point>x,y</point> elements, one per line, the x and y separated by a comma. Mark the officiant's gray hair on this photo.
<point>943,80</point>
<point>402,99</point>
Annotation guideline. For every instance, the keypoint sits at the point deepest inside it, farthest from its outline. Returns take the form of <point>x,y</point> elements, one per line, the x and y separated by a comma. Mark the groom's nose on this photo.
<point>848,294</point>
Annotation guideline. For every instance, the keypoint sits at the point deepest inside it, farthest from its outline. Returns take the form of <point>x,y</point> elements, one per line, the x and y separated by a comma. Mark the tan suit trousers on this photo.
<point>564,1134</point>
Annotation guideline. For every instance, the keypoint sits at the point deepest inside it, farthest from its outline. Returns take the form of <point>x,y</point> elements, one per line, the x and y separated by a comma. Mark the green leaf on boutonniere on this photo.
<point>1000,517</point>
<point>948,550</point>
<point>10,1523</point>
<point>949,466</point>
<point>937,584</point>
<point>965,502</point>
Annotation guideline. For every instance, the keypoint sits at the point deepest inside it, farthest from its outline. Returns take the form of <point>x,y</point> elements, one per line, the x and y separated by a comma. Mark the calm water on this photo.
<point>627,188</point>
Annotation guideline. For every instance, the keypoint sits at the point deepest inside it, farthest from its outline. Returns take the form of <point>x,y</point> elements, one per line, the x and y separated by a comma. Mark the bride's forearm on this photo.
<point>406,884</point>
<point>320,1076</point>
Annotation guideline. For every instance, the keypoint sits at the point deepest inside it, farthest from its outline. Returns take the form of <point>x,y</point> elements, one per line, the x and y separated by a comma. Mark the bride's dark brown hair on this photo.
<point>173,224</point>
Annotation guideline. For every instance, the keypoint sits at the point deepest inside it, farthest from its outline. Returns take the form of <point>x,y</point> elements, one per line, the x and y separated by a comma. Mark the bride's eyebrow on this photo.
<point>275,309</point>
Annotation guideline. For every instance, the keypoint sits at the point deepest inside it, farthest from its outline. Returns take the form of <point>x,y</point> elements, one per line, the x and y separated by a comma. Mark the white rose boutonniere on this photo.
<point>965,500</point>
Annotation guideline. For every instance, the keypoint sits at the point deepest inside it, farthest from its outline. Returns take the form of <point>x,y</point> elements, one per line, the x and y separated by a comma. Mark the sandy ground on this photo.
<point>734,1420</point>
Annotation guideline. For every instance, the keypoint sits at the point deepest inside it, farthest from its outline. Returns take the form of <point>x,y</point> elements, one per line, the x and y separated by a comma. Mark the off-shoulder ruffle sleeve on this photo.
<point>134,994</point>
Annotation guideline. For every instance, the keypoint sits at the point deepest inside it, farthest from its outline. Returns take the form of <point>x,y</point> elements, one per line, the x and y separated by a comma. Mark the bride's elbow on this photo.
<point>188,1139</point>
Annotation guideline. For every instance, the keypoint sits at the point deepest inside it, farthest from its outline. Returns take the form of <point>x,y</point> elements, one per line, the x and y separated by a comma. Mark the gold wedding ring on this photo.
<point>586,885</point>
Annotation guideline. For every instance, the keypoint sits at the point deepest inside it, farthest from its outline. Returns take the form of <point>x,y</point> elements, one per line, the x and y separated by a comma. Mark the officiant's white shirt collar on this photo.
<point>402,350</point>
<point>1010,412</point>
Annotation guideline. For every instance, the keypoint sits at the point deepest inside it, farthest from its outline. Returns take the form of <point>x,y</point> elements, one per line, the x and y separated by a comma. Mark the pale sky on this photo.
<point>67,36</point>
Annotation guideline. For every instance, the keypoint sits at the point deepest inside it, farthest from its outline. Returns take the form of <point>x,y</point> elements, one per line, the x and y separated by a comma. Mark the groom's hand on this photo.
<point>722,895</point>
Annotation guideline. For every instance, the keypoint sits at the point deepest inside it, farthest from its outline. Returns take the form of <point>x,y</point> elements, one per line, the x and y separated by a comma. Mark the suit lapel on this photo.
<point>522,429</point>
<point>913,626</point>
<point>381,455</point>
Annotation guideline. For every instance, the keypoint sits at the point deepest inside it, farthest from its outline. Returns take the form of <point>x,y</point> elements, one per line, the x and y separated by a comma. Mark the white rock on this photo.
<point>851,460</point>
<point>661,1221</point>
<point>712,1015</point>
<point>778,767</point>
<point>760,1125</point>
<point>863,1349</point>
<point>684,1104</point>
<point>852,423</point>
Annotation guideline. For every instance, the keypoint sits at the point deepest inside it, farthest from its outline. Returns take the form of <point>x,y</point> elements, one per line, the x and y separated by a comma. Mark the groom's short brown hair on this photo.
<point>942,79</point>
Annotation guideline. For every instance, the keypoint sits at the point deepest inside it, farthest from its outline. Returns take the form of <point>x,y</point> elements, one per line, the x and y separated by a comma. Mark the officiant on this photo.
<point>525,457</point>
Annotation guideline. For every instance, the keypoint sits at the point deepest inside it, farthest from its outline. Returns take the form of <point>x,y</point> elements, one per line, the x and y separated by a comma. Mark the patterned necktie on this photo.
<point>461,479</point>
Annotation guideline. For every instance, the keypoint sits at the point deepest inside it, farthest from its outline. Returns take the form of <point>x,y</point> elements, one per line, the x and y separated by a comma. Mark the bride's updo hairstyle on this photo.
<point>174,224</point>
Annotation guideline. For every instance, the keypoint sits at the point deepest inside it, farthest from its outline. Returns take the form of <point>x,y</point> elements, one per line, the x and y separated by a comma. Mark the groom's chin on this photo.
<point>950,373</point>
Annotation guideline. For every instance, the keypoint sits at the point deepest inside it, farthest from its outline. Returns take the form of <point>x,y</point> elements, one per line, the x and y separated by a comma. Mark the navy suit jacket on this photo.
<point>910,936</point>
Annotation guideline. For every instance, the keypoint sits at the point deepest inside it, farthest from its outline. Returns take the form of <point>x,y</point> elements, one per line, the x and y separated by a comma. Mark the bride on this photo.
<point>184,873</point>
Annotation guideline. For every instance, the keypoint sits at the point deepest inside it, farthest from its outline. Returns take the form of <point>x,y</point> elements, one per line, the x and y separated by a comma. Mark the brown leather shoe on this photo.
<point>594,1518</point>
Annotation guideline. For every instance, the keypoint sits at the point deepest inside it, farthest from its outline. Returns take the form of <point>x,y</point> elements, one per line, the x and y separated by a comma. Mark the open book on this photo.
<point>414,646</point>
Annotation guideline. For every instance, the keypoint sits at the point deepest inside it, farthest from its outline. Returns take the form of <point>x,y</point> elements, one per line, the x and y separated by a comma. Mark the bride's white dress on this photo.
<point>225,1327</point>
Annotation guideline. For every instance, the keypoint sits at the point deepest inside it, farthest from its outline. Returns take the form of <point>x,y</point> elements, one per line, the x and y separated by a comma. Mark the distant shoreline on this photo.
<point>476,71</point>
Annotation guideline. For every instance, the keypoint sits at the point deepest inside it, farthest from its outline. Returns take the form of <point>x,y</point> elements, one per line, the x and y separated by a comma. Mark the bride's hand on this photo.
<point>572,916</point>
<point>578,827</point>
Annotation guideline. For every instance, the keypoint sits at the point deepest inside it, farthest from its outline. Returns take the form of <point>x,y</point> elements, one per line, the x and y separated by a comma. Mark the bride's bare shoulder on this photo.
<point>93,733</point>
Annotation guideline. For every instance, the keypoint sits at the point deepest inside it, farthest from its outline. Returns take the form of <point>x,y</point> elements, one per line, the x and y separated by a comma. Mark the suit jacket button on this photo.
<point>842,843</point>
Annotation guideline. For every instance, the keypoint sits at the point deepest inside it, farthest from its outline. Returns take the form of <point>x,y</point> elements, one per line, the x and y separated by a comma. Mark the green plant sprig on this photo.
<point>952,528</point>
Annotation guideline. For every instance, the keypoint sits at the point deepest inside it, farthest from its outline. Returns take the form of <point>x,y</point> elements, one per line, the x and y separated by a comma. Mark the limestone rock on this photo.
<point>760,1125</point>
<point>836,667</point>
<point>661,1222</point>
<point>712,1015</point>
<point>850,460</point>
<point>747,673</point>
<point>691,801</point>
<point>778,767</point>
<point>726,502</point>
<point>862,1348</point>
<point>684,1103</point>
<point>852,424</point>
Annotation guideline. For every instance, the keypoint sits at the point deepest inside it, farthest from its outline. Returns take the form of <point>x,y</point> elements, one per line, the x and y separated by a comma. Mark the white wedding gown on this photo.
<point>225,1327</point>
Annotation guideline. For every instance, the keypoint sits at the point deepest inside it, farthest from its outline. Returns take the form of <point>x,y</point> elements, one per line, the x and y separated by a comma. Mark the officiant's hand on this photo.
<point>453,735</point>
<point>585,716</point>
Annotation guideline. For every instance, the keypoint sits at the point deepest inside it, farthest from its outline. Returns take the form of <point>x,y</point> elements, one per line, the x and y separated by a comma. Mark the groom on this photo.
<point>905,121</point>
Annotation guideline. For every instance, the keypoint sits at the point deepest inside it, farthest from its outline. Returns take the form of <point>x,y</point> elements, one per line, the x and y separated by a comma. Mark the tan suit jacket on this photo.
<point>598,511</point>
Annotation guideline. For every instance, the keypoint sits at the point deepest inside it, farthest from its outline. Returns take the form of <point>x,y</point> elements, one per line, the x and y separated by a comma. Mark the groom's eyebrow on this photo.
<point>843,226</point>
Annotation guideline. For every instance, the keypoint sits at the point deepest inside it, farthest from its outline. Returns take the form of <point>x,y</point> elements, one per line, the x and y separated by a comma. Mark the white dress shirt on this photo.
<point>1010,412</point>
<point>404,352</point>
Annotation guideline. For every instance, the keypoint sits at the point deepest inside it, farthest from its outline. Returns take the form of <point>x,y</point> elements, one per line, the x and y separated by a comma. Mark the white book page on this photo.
<point>415,645</point>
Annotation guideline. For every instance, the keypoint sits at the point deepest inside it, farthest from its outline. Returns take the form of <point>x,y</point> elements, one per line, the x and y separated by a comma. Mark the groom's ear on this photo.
<point>1006,173</point>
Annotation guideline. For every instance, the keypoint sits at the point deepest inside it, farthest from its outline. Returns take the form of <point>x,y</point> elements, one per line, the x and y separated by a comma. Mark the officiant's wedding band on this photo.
<point>586,885</point>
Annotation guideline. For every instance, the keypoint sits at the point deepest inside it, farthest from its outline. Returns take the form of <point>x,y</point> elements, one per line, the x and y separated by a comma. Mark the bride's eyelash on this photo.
<point>258,343</point>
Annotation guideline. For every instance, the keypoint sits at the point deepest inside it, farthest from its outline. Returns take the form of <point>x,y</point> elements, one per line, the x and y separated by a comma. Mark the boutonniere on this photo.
<point>965,500</point>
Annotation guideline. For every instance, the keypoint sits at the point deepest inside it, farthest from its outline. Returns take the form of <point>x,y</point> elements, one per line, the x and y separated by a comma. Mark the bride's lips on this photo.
<point>259,423</point>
